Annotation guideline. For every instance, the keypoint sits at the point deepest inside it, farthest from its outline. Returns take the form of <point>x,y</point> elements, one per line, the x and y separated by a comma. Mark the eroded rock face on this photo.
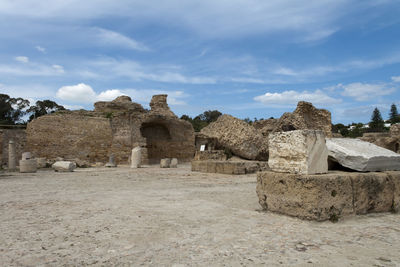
<point>389,140</point>
<point>239,137</point>
<point>362,156</point>
<point>266,126</point>
<point>159,105</point>
<point>328,196</point>
<point>114,127</point>
<point>300,151</point>
<point>306,116</point>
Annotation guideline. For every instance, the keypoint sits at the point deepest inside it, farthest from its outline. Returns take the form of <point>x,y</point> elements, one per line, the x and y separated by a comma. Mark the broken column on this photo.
<point>136,157</point>
<point>300,151</point>
<point>12,162</point>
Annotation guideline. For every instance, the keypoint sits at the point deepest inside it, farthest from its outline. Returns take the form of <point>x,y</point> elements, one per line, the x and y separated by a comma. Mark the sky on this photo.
<point>247,58</point>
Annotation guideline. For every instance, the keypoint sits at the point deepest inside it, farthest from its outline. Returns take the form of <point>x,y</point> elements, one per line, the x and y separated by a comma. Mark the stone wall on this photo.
<point>114,127</point>
<point>18,136</point>
<point>70,135</point>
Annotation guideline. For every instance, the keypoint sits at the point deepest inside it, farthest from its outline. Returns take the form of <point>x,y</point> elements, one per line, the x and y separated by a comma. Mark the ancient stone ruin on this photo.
<point>114,127</point>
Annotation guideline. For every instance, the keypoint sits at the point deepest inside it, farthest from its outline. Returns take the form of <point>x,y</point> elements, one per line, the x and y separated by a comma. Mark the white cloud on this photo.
<point>292,97</point>
<point>22,59</point>
<point>40,49</point>
<point>109,95</point>
<point>80,93</point>
<point>364,91</point>
<point>58,68</point>
<point>396,79</point>
<point>108,37</point>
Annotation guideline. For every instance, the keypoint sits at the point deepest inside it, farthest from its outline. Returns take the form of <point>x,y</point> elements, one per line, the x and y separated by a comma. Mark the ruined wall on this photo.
<point>18,136</point>
<point>70,135</point>
<point>114,127</point>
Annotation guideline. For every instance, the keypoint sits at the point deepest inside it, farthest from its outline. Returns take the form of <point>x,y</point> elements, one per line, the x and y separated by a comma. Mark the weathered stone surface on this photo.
<point>327,196</point>
<point>120,104</point>
<point>64,166</point>
<point>306,116</point>
<point>174,163</point>
<point>384,140</point>
<point>372,193</point>
<point>210,155</point>
<point>12,157</point>
<point>300,151</point>
<point>165,163</point>
<point>395,177</point>
<point>210,143</point>
<point>239,137</point>
<point>27,165</point>
<point>113,128</point>
<point>26,155</point>
<point>362,156</point>
<point>159,105</point>
<point>136,157</point>
<point>266,126</point>
<point>42,163</point>
<point>229,167</point>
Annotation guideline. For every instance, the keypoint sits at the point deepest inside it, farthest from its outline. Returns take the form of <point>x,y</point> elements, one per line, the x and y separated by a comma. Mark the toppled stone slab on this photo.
<point>64,166</point>
<point>362,156</point>
<point>239,137</point>
<point>229,167</point>
<point>328,196</point>
<point>300,151</point>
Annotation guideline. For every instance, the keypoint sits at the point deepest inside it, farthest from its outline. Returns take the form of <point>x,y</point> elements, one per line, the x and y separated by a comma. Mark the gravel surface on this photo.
<point>173,217</point>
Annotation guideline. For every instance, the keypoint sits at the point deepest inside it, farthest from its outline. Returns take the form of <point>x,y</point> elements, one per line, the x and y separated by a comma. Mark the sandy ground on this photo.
<point>173,217</point>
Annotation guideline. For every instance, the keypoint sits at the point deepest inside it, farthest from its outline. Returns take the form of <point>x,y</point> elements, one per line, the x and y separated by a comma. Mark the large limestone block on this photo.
<point>64,166</point>
<point>136,157</point>
<point>165,163</point>
<point>395,177</point>
<point>239,137</point>
<point>372,192</point>
<point>312,197</point>
<point>300,151</point>
<point>362,156</point>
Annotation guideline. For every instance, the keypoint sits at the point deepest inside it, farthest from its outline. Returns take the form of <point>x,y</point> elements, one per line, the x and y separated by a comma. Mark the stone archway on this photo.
<point>158,140</point>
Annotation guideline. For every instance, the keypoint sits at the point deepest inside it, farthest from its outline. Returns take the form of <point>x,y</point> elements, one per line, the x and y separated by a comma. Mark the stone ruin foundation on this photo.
<point>114,127</point>
<point>294,189</point>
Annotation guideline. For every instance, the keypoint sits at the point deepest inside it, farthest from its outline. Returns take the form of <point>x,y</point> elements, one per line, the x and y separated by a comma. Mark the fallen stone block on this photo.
<point>300,151</point>
<point>64,166</point>
<point>28,165</point>
<point>174,163</point>
<point>165,163</point>
<point>328,196</point>
<point>362,156</point>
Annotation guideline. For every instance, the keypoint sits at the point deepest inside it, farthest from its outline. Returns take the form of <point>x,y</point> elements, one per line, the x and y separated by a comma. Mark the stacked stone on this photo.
<point>300,185</point>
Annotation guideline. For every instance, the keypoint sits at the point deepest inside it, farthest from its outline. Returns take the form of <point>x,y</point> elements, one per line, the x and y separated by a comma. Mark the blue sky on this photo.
<point>247,58</point>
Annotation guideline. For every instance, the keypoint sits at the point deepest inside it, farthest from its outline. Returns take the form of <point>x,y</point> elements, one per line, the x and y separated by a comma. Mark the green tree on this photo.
<point>393,114</point>
<point>202,120</point>
<point>377,124</point>
<point>210,116</point>
<point>42,108</point>
<point>11,109</point>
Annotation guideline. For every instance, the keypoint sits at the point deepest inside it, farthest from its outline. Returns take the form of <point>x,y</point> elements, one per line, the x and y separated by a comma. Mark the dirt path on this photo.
<point>173,217</point>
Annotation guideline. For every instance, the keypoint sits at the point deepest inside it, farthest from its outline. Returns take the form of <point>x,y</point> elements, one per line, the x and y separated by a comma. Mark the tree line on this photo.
<point>376,124</point>
<point>12,110</point>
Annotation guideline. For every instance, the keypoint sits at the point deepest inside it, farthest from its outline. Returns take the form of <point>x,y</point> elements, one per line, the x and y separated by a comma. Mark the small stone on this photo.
<point>41,162</point>
<point>64,166</point>
<point>165,163</point>
<point>174,163</point>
